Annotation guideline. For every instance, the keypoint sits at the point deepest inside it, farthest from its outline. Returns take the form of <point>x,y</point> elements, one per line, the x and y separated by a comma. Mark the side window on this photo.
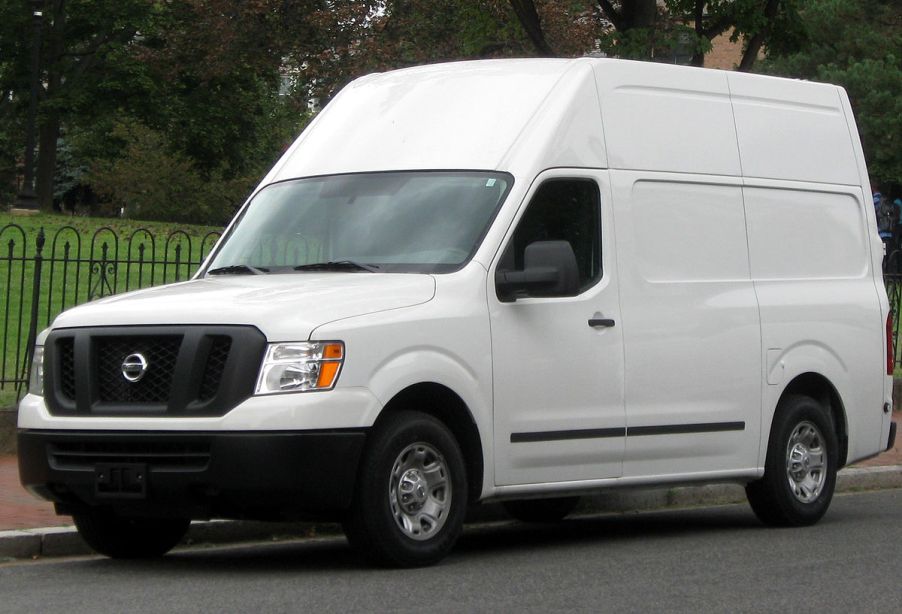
<point>562,210</point>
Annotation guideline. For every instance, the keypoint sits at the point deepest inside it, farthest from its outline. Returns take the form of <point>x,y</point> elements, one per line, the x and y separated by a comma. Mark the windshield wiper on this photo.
<point>237,269</point>
<point>338,265</point>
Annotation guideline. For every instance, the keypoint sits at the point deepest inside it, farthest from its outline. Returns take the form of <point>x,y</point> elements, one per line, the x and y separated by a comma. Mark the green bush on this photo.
<point>151,181</point>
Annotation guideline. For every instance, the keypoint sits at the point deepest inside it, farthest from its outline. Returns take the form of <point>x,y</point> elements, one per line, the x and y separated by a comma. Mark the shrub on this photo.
<point>151,181</point>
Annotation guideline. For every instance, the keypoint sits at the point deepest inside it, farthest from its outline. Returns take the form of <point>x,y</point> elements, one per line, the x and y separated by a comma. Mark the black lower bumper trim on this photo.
<point>892,436</point>
<point>261,475</point>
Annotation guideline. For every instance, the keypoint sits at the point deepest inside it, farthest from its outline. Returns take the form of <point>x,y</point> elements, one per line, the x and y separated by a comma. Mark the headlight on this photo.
<point>300,367</point>
<point>36,378</point>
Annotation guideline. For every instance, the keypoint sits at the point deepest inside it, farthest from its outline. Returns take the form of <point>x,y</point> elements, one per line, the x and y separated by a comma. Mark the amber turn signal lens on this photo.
<point>327,373</point>
<point>333,351</point>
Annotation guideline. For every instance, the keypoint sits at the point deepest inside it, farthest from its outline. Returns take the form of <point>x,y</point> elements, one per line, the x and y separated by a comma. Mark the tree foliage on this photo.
<point>343,40</point>
<point>14,78</point>
<point>152,180</point>
<point>857,44</point>
<point>774,23</point>
<point>649,30</point>
<point>203,73</point>
<point>207,93</point>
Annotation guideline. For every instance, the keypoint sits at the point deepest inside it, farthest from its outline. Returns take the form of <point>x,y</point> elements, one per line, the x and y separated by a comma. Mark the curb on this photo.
<point>65,541</point>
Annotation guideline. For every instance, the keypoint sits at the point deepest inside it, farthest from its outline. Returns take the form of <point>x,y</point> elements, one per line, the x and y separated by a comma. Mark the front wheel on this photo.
<point>119,537</point>
<point>800,470</point>
<point>411,493</point>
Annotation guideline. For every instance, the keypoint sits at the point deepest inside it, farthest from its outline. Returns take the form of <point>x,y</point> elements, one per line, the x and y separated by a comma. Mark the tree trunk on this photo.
<point>757,40</point>
<point>49,121</point>
<point>46,167</point>
<point>751,52</point>
<point>639,13</point>
<point>698,58</point>
<point>632,14</point>
<point>529,19</point>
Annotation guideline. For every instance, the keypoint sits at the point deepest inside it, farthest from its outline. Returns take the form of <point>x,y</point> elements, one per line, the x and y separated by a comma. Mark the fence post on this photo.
<point>35,303</point>
<point>178,260</point>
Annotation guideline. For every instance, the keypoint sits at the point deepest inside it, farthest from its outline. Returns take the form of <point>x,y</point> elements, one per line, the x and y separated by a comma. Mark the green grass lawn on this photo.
<point>52,222</point>
<point>74,250</point>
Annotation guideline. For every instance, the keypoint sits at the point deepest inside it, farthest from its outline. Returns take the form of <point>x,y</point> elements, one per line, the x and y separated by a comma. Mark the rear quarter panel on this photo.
<point>810,258</point>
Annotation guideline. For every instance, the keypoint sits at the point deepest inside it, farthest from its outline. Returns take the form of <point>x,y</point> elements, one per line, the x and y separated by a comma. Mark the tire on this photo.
<point>541,510</point>
<point>411,493</point>
<point>800,469</point>
<point>129,538</point>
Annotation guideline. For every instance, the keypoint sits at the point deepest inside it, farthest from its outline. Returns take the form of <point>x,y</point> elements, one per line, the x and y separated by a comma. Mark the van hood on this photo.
<point>285,307</point>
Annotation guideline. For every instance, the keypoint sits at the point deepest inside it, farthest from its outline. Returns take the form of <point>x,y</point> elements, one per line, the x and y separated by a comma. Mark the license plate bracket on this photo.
<point>120,480</point>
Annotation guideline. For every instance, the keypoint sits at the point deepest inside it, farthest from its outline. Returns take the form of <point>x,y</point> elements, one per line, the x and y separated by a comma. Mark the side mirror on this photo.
<point>549,269</point>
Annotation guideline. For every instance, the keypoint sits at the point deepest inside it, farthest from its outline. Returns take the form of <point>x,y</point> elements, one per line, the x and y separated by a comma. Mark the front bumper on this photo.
<point>259,475</point>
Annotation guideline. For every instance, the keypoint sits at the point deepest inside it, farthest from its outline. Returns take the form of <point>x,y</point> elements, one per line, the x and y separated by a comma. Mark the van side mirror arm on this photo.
<point>510,284</point>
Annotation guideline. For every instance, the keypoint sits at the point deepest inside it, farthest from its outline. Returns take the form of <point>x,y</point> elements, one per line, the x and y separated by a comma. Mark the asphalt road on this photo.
<point>699,560</point>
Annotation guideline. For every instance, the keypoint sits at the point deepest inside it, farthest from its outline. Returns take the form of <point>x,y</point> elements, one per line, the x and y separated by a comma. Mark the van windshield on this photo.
<point>423,222</point>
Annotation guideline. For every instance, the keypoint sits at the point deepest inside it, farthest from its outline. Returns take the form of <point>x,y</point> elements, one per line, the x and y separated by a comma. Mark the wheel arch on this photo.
<point>449,408</point>
<point>819,388</point>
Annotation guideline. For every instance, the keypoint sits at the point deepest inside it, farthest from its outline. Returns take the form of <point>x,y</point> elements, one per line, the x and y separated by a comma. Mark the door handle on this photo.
<point>601,322</point>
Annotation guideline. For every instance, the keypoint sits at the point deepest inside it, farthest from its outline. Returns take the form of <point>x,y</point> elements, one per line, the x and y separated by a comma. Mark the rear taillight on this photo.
<point>890,355</point>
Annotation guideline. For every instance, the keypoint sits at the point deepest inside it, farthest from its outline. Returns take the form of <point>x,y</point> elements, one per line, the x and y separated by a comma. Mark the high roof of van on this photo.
<point>522,116</point>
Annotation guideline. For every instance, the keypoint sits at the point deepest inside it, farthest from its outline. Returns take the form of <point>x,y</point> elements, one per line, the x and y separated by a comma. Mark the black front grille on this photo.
<point>188,456</point>
<point>66,347</point>
<point>216,362</point>
<point>156,384</point>
<point>190,370</point>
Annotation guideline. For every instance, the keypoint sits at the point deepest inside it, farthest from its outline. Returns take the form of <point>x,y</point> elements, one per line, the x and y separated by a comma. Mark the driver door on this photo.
<point>558,360</point>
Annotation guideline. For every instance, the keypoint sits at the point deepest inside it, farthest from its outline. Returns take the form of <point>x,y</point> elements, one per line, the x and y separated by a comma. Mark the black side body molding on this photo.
<point>633,431</point>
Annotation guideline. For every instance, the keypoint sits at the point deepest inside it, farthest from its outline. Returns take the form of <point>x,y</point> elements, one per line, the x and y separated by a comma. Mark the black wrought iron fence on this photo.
<point>892,280</point>
<point>894,293</point>
<point>40,276</point>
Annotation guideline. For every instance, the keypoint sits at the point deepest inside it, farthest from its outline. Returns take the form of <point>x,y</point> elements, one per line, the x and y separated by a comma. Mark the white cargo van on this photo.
<point>514,280</point>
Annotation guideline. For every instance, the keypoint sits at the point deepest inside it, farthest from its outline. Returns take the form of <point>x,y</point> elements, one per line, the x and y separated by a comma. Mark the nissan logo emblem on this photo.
<point>134,367</point>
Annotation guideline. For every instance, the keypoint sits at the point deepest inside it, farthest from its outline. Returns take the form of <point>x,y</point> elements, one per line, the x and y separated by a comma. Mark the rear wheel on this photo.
<point>411,494</point>
<point>800,470</point>
<point>129,538</point>
<point>541,510</point>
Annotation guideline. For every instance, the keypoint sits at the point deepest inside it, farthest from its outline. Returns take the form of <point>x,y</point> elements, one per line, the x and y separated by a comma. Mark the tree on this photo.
<point>857,44</point>
<point>15,55</point>
<point>205,73</point>
<point>150,180</point>
<point>87,69</point>
<point>221,63</point>
<point>757,22</point>
<point>643,29</point>
<point>343,40</point>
